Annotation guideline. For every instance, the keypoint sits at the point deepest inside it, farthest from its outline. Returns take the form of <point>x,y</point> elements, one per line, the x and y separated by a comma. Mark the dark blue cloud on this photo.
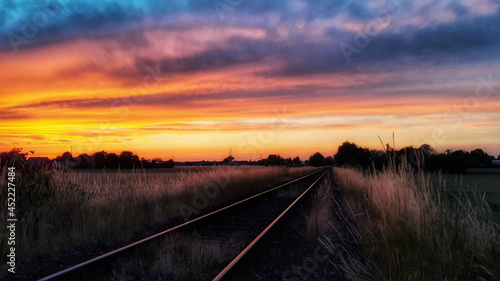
<point>239,50</point>
<point>458,42</point>
<point>308,10</point>
<point>465,40</point>
<point>458,8</point>
<point>25,24</point>
<point>358,10</point>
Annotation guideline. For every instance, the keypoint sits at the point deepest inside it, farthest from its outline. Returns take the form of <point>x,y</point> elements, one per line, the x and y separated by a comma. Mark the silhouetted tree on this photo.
<point>15,155</point>
<point>83,161</point>
<point>448,164</point>
<point>296,161</point>
<point>66,156</point>
<point>317,159</point>
<point>478,158</point>
<point>408,154</point>
<point>456,162</point>
<point>112,161</point>
<point>100,159</point>
<point>274,160</point>
<point>351,155</point>
<point>379,158</point>
<point>128,160</point>
<point>329,161</point>
<point>427,150</point>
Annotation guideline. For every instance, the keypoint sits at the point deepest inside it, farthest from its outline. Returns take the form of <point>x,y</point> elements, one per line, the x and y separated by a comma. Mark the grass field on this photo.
<point>61,209</point>
<point>484,181</point>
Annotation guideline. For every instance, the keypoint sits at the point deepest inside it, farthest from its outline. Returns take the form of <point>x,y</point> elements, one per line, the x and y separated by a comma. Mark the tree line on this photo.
<point>425,156</point>
<point>98,160</point>
<point>348,154</point>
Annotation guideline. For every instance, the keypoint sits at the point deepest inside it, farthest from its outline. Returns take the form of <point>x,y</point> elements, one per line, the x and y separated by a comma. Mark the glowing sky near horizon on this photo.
<point>195,78</point>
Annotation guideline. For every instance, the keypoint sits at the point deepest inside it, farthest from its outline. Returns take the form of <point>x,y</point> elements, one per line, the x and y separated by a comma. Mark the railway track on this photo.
<point>250,221</point>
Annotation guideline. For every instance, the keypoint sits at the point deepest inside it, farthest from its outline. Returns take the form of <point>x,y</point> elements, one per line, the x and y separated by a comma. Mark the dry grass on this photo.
<point>333,230</point>
<point>62,209</point>
<point>318,220</point>
<point>412,233</point>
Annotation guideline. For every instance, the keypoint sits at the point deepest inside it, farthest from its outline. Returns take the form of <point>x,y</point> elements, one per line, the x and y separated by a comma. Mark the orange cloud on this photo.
<point>92,94</point>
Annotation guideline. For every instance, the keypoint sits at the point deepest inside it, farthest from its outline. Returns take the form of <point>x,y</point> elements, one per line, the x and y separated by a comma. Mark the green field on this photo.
<point>485,181</point>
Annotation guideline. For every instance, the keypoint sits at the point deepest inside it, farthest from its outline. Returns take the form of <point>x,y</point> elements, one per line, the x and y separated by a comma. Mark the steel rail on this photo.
<point>103,257</point>
<point>230,268</point>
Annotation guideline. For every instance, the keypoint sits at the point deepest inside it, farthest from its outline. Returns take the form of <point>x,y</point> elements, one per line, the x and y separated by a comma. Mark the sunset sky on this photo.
<point>195,78</point>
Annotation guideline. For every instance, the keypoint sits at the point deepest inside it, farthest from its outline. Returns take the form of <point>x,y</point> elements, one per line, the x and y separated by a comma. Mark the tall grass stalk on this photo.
<point>60,209</point>
<point>415,233</point>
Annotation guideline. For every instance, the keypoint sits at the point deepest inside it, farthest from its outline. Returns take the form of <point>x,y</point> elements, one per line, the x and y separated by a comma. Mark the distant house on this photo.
<point>38,161</point>
<point>495,162</point>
